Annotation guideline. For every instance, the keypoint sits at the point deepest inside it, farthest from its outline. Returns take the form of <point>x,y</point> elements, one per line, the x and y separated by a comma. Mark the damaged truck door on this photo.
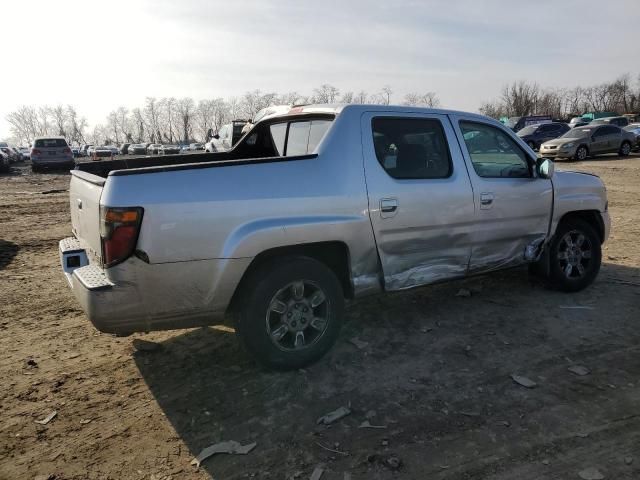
<point>420,198</point>
<point>513,206</point>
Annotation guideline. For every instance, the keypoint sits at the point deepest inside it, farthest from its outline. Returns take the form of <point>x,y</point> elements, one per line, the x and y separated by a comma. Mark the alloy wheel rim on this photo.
<point>582,153</point>
<point>575,254</point>
<point>297,316</point>
<point>626,149</point>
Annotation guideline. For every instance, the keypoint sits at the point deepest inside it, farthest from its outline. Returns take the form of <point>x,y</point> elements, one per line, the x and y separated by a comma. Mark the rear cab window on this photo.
<point>298,137</point>
<point>50,143</point>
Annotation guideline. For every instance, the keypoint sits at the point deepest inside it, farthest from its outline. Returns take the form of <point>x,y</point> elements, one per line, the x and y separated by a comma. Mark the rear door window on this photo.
<point>411,147</point>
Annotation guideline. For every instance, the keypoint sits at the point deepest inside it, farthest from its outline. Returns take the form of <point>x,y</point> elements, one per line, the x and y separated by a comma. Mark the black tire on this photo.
<point>571,279</point>
<point>582,153</point>
<point>257,323</point>
<point>625,149</point>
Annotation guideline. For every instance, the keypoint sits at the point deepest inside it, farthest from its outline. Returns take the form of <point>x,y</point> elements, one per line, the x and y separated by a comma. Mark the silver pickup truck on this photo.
<point>318,205</point>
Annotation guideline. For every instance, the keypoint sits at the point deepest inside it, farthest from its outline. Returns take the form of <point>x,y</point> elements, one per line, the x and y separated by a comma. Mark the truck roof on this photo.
<point>337,108</point>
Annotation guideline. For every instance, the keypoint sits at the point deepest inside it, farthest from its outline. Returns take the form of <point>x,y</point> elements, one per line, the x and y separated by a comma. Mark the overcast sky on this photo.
<point>98,55</point>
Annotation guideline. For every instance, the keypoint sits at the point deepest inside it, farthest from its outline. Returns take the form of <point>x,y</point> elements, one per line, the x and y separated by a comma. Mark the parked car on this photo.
<point>5,164</point>
<point>518,123</point>
<point>578,122</point>
<point>84,150</point>
<point>137,149</point>
<point>618,121</point>
<point>124,149</point>
<point>115,150</point>
<point>196,146</point>
<point>26,153</point>
<point>229,134</point>
<point>51,152</point>
<point>590,140</point>
<point>595,115</point>
<point>75,151</point>
<point>13,155</point>
<point>153,148</point>
<point>90,150</point>
<point>635,129</point>
<point>535,135</point>
<point>102,153</point>
<point>169,149</point>
<point>336,201</point>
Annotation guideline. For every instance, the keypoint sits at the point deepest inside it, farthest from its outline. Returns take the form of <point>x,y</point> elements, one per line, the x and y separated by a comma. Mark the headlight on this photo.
<point>567,145</point>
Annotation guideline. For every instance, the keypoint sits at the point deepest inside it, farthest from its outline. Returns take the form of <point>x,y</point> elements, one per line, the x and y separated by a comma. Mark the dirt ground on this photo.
<point>435,372</point>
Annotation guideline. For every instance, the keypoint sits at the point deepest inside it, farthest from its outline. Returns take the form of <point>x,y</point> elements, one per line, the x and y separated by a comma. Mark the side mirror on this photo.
<point>545,168</point>
<point>216,136</point>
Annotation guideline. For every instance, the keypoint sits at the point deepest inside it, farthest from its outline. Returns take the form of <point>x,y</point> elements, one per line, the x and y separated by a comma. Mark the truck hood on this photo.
<point>585,191</point>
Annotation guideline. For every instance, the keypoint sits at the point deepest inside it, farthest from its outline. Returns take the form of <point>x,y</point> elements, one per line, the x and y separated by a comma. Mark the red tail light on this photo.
<point>119,230</point>
<point>66,150</point>
<point>35,151</point>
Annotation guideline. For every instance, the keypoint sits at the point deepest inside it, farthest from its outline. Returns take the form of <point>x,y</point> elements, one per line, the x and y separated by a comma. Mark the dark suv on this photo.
<point>536,135</point>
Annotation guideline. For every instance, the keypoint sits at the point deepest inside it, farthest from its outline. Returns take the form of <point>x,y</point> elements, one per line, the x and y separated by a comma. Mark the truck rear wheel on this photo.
<point>575,256</point>
<point>291,312</point>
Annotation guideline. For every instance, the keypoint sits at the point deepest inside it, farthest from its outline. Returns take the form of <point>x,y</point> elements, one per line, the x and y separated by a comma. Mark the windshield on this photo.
<point>528,130</point>
<point>578,133</point>
<point>511,122</point>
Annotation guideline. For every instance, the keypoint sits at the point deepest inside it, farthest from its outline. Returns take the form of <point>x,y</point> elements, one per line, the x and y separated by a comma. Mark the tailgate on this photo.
<point>84,198</point>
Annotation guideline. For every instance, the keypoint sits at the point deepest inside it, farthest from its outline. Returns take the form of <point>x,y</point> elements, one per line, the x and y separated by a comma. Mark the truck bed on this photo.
<point>103,167</point>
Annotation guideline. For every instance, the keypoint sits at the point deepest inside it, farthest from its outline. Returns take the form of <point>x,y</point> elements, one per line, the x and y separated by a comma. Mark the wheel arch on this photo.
<point>333,254</point>
<point>592,217</point>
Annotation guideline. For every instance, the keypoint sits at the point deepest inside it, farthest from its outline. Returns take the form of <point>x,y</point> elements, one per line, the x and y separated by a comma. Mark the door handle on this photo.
<point>79,203</point>
<point>486,200</point>
<point>388,207</point>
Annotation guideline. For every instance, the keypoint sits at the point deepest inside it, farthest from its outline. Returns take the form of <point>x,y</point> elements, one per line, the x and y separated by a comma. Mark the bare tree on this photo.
<point>386,94</point>
<point>325,94</point>
<point>429,99</point>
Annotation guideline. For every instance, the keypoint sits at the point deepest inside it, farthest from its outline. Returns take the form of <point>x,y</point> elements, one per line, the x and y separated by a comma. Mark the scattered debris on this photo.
<point>582,434</point>
<point>50,476</point>
<point>346,454</point>
<point>334,416</point>
<point>56,190</point>
<point>504,423</point>
<point>590,474</point>
<point>470,414</point>
<point>385,443</point>
<point>524,381</point>
<point>231,447</point>
<point>48,418</point>
<point>393,462</point>
<point>628,460</point>
<point>358,343</point>
<point>579,370</point>
<point>317,473</point>
<point>85,421</point>
<point>145,345</point>
<point>31,363</point>
<point>545,462</point>
<point>463,292</point>
<point>576,307</point>
<point>367,424</point>
<point>426,329</point>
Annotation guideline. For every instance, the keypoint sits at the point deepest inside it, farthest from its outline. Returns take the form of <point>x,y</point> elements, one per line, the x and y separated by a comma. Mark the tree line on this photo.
<point>180,120</point>
<point>523,98</point>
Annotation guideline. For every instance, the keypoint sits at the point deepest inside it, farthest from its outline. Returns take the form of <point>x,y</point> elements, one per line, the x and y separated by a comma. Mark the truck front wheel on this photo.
<point>575,255</point>
<point>291,312</point>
